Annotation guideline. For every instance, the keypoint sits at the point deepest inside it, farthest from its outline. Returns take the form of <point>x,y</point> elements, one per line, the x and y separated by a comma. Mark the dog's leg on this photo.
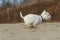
<point>35,25</point>
<point>32,26</point>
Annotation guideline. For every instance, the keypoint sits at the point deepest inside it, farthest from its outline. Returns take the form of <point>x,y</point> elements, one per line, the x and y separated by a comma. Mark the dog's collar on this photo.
<point>42,18</point>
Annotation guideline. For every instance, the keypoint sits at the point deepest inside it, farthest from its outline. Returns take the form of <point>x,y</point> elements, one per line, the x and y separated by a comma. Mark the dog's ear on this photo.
<point>44,10</point>
<point>43,13</point>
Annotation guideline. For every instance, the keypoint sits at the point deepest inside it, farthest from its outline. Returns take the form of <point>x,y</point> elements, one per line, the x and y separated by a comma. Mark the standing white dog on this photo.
<point>33,20</point>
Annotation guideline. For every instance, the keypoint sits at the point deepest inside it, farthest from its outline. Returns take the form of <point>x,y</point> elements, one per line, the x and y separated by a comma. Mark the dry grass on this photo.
<point>10,14</point>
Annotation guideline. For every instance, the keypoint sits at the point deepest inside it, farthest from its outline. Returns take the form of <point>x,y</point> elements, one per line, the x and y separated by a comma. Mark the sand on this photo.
<point>19,31</point>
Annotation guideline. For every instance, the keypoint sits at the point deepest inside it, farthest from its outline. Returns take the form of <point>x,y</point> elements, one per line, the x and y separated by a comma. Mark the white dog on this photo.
<point>33,20</point>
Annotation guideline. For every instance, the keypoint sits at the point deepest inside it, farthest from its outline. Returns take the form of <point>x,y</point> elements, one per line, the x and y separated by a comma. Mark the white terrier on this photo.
<point>33,20</point>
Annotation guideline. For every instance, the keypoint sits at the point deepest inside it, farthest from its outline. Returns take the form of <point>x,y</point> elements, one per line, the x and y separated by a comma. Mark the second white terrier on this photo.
<point>34,20</point>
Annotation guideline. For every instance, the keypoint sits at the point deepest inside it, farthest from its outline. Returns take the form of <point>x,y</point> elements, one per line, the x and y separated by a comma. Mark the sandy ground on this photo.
<point>45,31</point>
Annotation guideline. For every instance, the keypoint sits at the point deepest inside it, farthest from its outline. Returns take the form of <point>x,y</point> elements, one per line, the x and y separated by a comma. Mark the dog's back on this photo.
<point>30,18</point>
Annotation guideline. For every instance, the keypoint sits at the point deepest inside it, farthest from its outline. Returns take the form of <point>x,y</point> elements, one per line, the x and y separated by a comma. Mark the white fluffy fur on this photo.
<point>33,19</point>
<point>45,15</point>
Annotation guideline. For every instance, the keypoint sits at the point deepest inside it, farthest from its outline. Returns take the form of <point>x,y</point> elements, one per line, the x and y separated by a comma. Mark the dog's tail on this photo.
<point>21,15</point>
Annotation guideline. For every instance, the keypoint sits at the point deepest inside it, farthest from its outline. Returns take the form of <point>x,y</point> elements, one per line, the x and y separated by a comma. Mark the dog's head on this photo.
<point>45,15</point>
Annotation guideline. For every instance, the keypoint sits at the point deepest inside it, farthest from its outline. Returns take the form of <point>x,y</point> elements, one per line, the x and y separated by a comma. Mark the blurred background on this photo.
<point>10,9</point>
